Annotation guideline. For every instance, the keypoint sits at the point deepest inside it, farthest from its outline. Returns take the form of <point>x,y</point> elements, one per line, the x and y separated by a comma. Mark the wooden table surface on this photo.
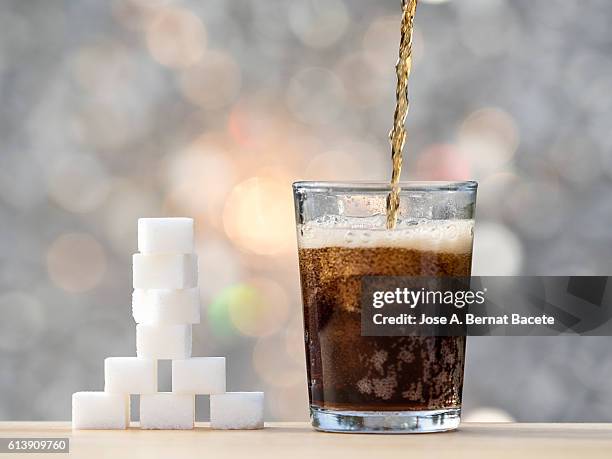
<point>298,440</point>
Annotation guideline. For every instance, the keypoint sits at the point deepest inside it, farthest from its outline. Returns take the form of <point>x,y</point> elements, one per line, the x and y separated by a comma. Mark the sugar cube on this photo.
<point>237,410</point>
<point>100,410</point>
<point>165,235</point>
<point>159,306</point>
<point>199,375</point>
<point>166,410</point>
<point>130,375</point>
<point>165,271</point>
<point>163,341</point>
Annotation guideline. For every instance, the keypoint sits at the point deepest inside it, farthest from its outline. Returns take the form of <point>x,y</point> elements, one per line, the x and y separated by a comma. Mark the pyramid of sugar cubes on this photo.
<point>165,306</point>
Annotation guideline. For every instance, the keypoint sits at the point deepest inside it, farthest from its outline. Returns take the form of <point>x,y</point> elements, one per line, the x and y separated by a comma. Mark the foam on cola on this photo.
<point>347,371</point>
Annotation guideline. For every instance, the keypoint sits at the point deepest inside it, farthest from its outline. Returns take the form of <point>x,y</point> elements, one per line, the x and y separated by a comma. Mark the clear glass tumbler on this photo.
<point>379,384</point>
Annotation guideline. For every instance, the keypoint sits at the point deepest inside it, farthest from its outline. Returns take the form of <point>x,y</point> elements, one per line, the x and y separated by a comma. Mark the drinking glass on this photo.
<point>393,384</point>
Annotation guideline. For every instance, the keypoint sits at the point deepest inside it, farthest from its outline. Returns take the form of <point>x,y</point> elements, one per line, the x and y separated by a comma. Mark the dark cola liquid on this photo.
<point>349,372</point>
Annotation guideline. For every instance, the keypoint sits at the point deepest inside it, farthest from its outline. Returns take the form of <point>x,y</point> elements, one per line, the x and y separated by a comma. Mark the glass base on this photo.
<point>392,422</point>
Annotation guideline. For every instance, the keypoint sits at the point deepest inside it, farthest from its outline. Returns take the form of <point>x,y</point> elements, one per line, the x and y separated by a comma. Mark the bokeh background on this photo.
<point>113,110</point>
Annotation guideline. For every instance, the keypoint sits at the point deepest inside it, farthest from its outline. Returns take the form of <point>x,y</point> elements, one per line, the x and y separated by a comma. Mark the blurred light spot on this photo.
<point>362,78</point>
<point>262,308</point>
<point>78,183</point>
<point>212,83</point>
<point>315,96</point>
<point>318,23</point>
<point>497,251</point>
<point>488,138</point>
<point>220,267</point>
<point>258,216</point>
<point>137,14</point>
<point>367,161</point>
<point>24,320</point>
<point>218,311</point>
<point>260,122</point>
<point>274,366</point>
<point>488,414</point>
<point>199,178</point>
<point>442,162</point>
<point>335,165</point>
<point>176,37</point>
<point>245,123</point>
<point>76,262</point>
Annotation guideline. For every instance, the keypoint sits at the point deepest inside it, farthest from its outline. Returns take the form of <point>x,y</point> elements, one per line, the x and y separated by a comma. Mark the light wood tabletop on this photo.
<point>298,440</point>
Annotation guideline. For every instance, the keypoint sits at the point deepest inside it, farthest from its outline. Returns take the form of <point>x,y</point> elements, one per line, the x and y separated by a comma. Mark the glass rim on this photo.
<point>384,187</point>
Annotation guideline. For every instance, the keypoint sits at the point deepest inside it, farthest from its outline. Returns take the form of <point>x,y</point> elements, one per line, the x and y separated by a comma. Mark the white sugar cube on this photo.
<point>130,375</point>
<point>163,341</point>
<point>165,271</point>
<point>165,235</point>
<point>157,306</point>
<point>237,410</point>
<point>100,410</point>
<point>199,375</point>
<point>166,410</point>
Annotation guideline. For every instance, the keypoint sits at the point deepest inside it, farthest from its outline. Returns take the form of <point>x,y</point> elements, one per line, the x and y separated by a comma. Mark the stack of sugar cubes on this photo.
<point>165,305</point>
